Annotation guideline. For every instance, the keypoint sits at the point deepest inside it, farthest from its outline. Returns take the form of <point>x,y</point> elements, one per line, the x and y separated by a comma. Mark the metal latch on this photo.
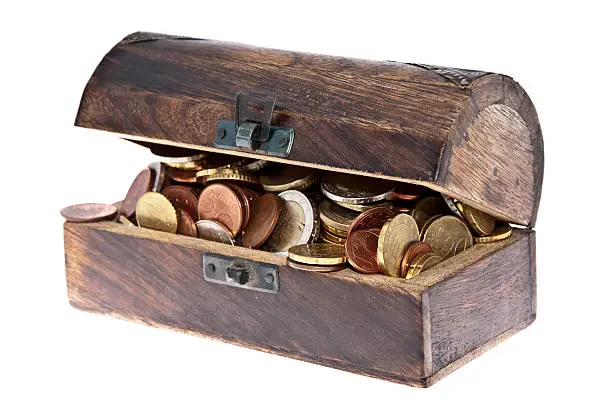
<point>241,273</point>
<point>252,130</point>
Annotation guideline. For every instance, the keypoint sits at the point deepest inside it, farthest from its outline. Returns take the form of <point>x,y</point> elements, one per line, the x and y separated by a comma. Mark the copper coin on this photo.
<point>373,218</point>
<point>315,268</point>
<point>220,203</point>
<point>407,191</point>
<point>361,247</point>
<point>89,212</point>
<point>186,225</point>
<point>182,175</point>
<point>264,217</point>
<point>414,250</point>
<point>183,197</point>
<point>246,204</point>
<point>141,185</point>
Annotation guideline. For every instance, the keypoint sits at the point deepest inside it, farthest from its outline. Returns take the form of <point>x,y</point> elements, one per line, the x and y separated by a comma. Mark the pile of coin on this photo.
<point>319,220</point>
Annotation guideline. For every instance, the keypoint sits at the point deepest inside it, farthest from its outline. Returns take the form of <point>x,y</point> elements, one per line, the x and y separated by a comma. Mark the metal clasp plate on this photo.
<point>241,273</point>
<point>252,129</point>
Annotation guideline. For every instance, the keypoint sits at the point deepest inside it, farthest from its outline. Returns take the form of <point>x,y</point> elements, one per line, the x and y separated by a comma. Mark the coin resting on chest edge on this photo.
<point>219,202</point>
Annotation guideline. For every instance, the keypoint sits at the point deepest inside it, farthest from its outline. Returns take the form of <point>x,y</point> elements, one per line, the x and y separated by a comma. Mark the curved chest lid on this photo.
<point>470,135</point>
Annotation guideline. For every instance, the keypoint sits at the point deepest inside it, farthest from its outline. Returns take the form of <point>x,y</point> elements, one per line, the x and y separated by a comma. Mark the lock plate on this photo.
<point>252,128</point>
<point>241,273</point>
<point>279,143</point>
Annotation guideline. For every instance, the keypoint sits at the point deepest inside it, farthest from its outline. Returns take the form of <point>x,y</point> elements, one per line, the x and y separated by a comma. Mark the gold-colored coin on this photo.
<point>501,232</point>
<point>482,223</point>
<point>125,221</point>
<point>428,207</point>
<point>318,254</point>
<point>336,217</point>
<point>254,166</point>
<point>155,211</point>
<point>188,165</point>
<point>328,237</point>
<point>232,176</point>
<point>448,236</point>
<point>288,177</point>
<point>334,231</point>
<point>363,207</point>
<point>395,236</point>
<point>423,263</point>
<point>217,163</point>
<point>427,224</point>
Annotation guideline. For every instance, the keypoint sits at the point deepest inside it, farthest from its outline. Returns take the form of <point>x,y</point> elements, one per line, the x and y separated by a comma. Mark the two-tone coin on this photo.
<point>213,231</point>
<point>340,187</point>
<point>288,177</point>
<point>155,211</point>
<point>448,236</point>
<point>89,212</point>
<point>395,236</point>
<point>295,224</point>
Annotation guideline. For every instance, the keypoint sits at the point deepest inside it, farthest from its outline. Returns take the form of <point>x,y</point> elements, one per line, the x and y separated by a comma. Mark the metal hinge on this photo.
<point>252,130</point>
<point>241,273</point>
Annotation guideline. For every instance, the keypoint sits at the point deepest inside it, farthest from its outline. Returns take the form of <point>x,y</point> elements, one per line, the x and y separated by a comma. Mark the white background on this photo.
<point>51,353</point>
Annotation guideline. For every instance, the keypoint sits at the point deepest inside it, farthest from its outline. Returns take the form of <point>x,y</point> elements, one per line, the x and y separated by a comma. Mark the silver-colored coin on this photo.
<point>452,206</point>
<point>353,189</point>
<point>159,176</point>
<point>360,208</point>
<point>213,231</point>
<point>182,159</point>
<point>296,223</point>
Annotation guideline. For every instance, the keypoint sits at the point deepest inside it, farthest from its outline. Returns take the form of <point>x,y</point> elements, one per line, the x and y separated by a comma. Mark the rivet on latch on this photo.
<point>221,132</point>
<point>211,268</point>
<point>269,278</point>
<point>284,141</point>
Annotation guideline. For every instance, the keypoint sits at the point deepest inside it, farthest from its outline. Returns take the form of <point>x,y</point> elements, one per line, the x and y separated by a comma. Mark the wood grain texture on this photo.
<point>368,324</point>
<point>487,298</point>
<point>384,119</point>
<point>334,321</point>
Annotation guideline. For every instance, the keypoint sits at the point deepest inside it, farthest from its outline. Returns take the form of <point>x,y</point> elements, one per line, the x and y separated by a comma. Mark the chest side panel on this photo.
<point>324,319</point>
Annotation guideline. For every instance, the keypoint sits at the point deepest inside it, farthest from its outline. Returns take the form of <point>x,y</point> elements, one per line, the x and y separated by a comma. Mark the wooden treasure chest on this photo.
<point>472,137</point>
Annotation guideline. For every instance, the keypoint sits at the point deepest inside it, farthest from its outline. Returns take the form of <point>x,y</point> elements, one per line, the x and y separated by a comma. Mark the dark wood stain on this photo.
<point>376,118</point>
<point>403,331</point>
